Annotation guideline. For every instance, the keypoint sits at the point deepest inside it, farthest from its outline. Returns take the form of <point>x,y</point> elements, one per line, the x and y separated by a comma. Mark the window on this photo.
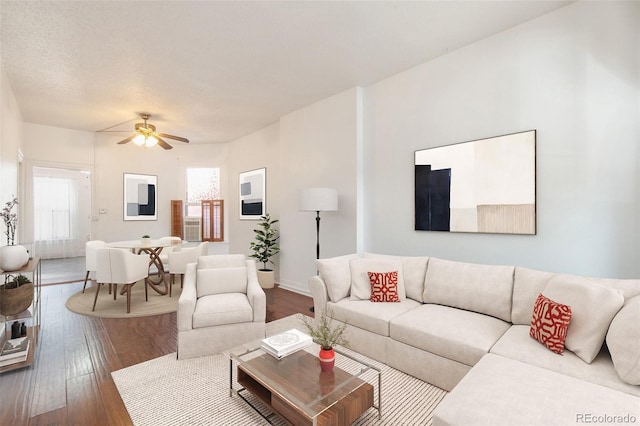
<point>55,204</point>
<point>202,184</point>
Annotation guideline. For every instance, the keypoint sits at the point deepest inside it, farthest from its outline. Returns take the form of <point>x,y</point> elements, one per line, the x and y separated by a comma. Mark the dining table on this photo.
<point>153,247</point>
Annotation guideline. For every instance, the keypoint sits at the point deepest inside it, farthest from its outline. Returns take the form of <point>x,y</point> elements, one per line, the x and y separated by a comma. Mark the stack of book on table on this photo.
<point>14,351</point>
<point>286,343</point>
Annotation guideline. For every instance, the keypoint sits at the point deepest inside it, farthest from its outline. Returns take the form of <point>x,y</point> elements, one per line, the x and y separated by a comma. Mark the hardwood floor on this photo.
<point>70,382</point>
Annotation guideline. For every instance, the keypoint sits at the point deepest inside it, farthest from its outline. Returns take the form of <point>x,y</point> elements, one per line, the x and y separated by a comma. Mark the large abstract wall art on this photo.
<point>140,197</point>
<point>486,186</point>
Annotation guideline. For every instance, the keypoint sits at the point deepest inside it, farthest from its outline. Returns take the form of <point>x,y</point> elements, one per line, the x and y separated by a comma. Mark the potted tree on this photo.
<point>264,248</point>
<point>327,335</point>
<point>16,294</point>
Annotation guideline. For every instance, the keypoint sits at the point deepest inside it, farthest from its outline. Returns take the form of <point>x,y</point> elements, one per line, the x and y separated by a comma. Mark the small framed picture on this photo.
<point>253,194</point>
<point>140,197</point>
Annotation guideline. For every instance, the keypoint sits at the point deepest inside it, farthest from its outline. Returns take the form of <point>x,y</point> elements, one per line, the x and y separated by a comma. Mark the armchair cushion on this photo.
<point>221,280</point>
<point>220,309</point>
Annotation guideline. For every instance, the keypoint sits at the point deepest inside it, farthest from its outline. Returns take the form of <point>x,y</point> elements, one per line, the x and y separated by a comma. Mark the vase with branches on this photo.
<point>10,220</point>
<point>325,333</point>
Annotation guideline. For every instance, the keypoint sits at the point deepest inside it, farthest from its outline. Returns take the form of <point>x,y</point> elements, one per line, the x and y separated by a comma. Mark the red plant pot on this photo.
<point>327,359</point>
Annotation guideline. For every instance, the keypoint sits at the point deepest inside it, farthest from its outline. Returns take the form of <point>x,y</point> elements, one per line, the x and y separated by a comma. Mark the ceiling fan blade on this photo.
<point>164,144</point>
<point>127,140</point>
<point>178,138</point>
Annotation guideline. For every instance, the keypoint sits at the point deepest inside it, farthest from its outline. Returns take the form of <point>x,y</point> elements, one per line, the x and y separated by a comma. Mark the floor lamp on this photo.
<point>318,200</point>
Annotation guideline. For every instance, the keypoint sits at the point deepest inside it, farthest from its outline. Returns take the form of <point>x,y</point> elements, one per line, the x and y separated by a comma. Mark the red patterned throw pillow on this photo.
<point>549,323</point>
<point>384,286</point>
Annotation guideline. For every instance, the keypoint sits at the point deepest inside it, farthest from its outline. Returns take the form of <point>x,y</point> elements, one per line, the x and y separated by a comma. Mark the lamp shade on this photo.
<point>319,199</point>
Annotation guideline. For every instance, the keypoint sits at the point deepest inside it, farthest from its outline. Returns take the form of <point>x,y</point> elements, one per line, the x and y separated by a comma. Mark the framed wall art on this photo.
<point>486,186</point>
<point>253,194</point>
<point>140,197</point>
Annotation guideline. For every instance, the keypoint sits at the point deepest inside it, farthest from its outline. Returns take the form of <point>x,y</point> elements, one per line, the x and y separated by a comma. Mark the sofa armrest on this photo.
<point>255,294</point>
<point>319,293</point>
<point>188,298</point>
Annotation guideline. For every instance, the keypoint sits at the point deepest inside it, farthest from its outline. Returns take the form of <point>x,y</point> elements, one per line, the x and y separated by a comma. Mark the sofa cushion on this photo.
<point>220,309</point>
<point>500,391</point>
<point>336,275</point>
<point>527,285</point>
<point>221,280</point>
<point>485,289</point>
<point>222,261</point>
<point>384,286</point>
<point>370,316</point>
<point>623,340</point>
<point>414,269</point>
<point>549,323</point>
<point>360,268</point>
<point>517,344</point>
<point>593,307</point>
<point>451,333</point>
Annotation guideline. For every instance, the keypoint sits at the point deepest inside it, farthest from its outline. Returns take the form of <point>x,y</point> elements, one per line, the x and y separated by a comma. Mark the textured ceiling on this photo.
<point>214,71</point>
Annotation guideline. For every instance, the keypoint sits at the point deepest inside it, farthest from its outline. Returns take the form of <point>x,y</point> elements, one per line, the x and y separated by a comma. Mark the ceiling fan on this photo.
<point>147,136</point>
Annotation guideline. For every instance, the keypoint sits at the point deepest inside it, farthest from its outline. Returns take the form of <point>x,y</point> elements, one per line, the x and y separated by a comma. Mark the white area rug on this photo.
<point>165,391</point>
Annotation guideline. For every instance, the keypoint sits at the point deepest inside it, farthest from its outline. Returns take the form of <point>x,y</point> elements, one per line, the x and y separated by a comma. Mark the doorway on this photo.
<point>61,212</point>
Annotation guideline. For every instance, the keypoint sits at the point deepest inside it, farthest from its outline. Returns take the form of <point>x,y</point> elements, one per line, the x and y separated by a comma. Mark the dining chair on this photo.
<point>178,261</point>
<point>164,255</point>
<point>91,257</point>
<point>115,266</point>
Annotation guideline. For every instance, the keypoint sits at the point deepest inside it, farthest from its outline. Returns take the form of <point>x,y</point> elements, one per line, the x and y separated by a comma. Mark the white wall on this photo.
<point>10,144</point>
<point>573,76</point>
<point>255,151</point>
<point>318,149</point>
<point>56,147</point>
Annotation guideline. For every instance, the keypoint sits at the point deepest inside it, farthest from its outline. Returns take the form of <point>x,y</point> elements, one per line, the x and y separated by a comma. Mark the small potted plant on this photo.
<point>264,248</point>
<point>326,334</point>
<point>146,239</point>
<point>16,294</point>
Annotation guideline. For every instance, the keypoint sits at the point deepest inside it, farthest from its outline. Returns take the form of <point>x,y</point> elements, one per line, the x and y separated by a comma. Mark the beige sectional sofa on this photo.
<point>465,328</point>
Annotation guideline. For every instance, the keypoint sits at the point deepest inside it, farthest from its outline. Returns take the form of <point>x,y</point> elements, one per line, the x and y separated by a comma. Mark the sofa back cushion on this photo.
<point>336,274</point>
<point>527,285</point>
<point>623,341</point>
<point>222,261</point>
<point>593,306</point>
<point>414,270</point>
<point>486,289</point>
<point>221,280</point>
<point>360,282</point>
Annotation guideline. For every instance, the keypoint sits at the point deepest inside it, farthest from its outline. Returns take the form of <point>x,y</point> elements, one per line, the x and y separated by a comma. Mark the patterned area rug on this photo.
<point>165,391</point>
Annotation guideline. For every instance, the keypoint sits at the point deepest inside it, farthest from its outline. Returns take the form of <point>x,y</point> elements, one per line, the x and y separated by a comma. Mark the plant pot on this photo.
<point>145,241</point>
<point>13,257</point>
<point>266,278</point>
<point>327,358</point>
<point>15,300</point>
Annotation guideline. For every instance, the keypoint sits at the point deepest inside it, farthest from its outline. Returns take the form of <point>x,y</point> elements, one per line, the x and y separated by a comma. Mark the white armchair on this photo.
<point>221,306</point>
<point>117,266</point>
<point>179,259</point>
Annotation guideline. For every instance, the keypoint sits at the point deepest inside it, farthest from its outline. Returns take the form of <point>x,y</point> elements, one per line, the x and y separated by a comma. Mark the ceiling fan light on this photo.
<point>139,140</point>
<point>150,141</point>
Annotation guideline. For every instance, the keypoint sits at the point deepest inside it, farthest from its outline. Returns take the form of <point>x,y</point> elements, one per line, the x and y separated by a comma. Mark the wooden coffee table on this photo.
<point>296,390</point>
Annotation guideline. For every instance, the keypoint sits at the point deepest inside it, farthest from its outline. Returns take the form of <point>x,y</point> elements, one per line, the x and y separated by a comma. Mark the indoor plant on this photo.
<point>264,248</point>
<point>16,294</point>
<point>327,335</point>
<point>12,257</point>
